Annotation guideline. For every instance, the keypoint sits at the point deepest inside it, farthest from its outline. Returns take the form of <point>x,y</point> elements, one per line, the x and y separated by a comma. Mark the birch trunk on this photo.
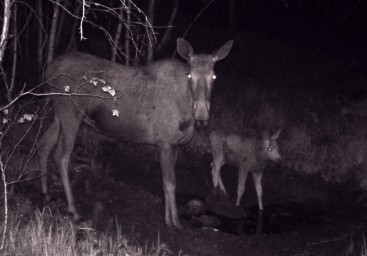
<point>5,29</point>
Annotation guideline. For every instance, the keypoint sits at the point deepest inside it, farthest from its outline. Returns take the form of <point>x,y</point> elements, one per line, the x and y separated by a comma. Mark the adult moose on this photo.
<point>157,104</point>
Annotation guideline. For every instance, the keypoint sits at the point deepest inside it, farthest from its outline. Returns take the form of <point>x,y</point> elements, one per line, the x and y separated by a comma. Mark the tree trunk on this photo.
<point>167,33</point>
<point>60,26</point>
<point>15,53</point>
<point>73,30</point>
<point>40,42</point>
<point>151,8</point>
<point>51,43</point>
<point>127,38</point>
<point>117,35</point>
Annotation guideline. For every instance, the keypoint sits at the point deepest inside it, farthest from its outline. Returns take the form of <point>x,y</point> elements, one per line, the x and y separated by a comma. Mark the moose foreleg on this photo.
<point>168,155</point>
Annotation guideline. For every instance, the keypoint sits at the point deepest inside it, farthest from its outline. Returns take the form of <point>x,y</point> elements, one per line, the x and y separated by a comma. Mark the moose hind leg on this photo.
<point>168,155</point>
<point>45,146</point>
<point>65,145</point>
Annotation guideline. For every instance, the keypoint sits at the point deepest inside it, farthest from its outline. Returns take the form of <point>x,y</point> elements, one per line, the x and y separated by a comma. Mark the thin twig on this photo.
<point>197,17</point>
<point>81,21</point>
<point>3,177</point>
<point>329,240</point>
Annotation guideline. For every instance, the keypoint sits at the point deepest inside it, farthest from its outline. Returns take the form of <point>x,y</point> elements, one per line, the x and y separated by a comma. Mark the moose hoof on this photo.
<point>174,224</point>
<point>177,225</point>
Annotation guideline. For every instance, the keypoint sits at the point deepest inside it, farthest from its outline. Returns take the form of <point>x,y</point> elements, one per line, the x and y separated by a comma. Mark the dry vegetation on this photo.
<point>35,232</point>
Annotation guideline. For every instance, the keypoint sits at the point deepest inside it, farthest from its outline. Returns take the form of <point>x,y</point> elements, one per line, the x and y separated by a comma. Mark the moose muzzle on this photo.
<point>201,112</point>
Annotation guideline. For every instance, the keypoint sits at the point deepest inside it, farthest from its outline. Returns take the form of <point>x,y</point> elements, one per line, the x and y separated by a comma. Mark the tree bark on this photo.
<point>15,53</point>
<point>151,8</point>
<point>60,26</point>
<point>51,43</point>
<point>167,33</point>
<point>127,38</point>
<point>117,35</point>
<point>40,42</point>
<point>74,26</point>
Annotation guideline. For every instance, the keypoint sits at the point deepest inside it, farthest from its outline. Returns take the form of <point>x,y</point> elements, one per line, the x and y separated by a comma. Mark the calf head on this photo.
<point>270,149</point>
<point>201,76</point>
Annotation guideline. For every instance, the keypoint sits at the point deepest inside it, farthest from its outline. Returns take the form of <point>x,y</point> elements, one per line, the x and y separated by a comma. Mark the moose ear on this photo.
<point>222,52</point>
<point>184,49</point>
<point>276,134</point>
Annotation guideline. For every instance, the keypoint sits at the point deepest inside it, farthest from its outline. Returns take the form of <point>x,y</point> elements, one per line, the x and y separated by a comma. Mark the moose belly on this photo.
<point>131,127</point>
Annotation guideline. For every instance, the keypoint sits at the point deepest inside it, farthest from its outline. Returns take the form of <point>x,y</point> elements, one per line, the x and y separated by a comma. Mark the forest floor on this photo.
<point>302,216</point>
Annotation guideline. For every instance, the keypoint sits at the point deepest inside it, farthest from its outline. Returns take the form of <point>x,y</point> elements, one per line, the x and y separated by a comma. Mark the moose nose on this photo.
<point>201,110</point>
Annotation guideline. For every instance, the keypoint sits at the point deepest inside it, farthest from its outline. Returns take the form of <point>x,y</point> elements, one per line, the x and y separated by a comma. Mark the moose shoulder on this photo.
<point>157,104</point>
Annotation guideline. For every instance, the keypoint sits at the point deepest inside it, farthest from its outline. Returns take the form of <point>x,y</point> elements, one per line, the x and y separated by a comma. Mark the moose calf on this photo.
<point>248,154</point>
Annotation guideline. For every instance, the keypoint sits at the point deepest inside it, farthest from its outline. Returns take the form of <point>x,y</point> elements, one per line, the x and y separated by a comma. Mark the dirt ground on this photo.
<point>302,216</point>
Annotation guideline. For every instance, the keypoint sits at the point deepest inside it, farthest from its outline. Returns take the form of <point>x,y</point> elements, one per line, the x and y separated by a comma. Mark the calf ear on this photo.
<point>222,52</point>
<point>276,134</point>
<point>184,49</point>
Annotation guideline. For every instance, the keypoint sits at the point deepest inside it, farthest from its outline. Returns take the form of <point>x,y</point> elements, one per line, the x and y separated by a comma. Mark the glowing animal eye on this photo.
<point>270,149</point>
<point>214,77</point>
<point>189,76</point>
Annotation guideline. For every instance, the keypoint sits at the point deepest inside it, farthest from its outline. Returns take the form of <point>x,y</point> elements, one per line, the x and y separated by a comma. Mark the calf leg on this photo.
<point>257,176</point>
<point>242,176</point>
<point>218,162</point>
<point>168,154</point>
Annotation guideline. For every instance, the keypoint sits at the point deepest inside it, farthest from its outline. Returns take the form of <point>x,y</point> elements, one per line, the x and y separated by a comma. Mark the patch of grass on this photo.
<point>46,234</point>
